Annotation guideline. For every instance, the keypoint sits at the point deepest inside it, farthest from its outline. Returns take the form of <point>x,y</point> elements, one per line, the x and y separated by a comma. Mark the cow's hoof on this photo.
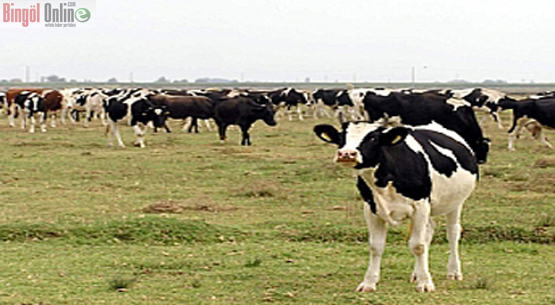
<point>425,287</point>
<point>455,276</point>
<point>366,287</point>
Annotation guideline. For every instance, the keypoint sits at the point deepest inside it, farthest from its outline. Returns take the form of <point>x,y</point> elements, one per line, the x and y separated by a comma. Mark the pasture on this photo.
<point>189,220</point>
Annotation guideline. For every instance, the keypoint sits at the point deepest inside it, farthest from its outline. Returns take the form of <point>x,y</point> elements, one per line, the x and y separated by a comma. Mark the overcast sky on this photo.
<point>290,40</point>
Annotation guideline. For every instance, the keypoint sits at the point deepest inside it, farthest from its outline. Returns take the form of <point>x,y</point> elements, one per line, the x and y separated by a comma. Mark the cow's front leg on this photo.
<point>246,137</point>
<point>140,134</point>
<point>32,123</point>
<point>43,116</point>
<point>221,130</point>
<point>419,243</point>
<point>377,232</point>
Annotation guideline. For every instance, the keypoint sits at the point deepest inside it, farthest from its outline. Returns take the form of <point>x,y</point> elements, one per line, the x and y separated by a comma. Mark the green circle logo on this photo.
<point>82,15</point>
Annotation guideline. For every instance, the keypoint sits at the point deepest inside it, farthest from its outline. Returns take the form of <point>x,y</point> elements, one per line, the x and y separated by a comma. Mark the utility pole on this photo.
<point>27,74</point>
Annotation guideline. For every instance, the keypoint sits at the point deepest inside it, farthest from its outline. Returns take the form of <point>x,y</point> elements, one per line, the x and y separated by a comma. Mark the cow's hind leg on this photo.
<point>453,236</point>
<point>377,232</point>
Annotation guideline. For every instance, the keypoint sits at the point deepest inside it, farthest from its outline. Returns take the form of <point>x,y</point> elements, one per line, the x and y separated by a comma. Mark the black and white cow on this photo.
<point>407,173</point>
<point>336,99</point>
<point>483,99</point>
<point>424,108</point>
<point>289,98</point>
<point>242,111</point>
<point>140,111</point>
<point>528,111</point>
<point>32,106</point>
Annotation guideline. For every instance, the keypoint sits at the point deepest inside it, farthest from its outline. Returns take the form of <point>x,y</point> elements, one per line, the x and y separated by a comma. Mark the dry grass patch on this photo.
<point>261,189</point>
<point>204,204</point>
<point>545,163</point>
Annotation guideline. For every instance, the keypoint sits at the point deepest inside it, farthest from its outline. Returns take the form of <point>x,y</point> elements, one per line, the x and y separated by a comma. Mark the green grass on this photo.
<point>189,220</point>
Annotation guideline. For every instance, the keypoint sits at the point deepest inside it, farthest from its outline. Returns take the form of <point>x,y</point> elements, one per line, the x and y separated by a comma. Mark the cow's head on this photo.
<point>266,112</point>
<point>481,149</point>
<point>360,143</point>
<point>157,114</point>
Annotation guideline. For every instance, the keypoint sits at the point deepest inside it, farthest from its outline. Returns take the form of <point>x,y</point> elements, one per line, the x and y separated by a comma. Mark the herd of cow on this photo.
<point>243,107</point>
<point>416,152</point>
<point>145,107</point>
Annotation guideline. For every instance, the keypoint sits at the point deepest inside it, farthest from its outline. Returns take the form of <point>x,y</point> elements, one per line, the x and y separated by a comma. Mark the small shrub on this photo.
<point>121,282</point>
<point>254,263</point>
<point>482,283</point>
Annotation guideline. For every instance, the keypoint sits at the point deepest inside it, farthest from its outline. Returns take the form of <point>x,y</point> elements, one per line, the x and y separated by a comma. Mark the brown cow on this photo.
<point>182,107</point>
<point>53,103</point>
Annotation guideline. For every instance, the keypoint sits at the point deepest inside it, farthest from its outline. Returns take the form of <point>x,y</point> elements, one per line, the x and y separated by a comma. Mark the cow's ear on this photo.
<point>394,136</point>
<point>328,134</point>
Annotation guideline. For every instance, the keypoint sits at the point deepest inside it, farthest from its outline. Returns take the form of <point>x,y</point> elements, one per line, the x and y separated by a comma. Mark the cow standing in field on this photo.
<point>485,100</point>
<point>34,105</point>
<point>532,113</point>
<point>407,173</point>
<point>12,107</point>
<point>424,108</point>
<point>289,98</point>
<point>140,111</point>
<point>30,103</point>
<point>182,107</point>
<point>242,111</point>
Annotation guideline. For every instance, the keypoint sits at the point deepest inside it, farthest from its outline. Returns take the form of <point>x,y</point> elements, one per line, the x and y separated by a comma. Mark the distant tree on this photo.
<point>16,80</point>
<point>215,80</point>
<point>162,79</point>
<point>497,81</point>
<point>181,81</point>
<point>55,79</point>
<point>4,81</point>
<point>113,80</point>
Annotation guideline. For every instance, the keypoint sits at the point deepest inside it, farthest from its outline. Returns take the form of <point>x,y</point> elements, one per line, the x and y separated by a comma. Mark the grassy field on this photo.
<point>189,220</point>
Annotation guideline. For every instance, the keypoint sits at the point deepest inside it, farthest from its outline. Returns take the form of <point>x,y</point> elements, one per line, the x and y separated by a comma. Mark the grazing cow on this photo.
<point>140,110</point>
<point>424,108</point>
<point>530,112</point>
<point>486,100</point>
<point>289,98</point>
<point>407,173</point>
<point>182,107</point>
<point>242,111</point>
<point>11,106</point>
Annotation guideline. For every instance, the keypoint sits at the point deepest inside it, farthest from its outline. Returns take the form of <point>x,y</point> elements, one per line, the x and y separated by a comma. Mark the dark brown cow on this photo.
<point>53,105</point>
<point>243,111</point>
<point>182,107</point>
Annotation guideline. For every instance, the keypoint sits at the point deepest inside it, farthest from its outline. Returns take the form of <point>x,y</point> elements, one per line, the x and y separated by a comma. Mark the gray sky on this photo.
<point>289,40</point>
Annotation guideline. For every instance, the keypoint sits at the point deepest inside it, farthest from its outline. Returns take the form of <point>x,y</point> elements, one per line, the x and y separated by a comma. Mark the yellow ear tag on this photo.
<point>326,137</point>
<point>396,140</point>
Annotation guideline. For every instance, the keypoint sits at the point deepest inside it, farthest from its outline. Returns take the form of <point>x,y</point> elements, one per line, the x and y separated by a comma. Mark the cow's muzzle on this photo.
<point>347,156</point>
